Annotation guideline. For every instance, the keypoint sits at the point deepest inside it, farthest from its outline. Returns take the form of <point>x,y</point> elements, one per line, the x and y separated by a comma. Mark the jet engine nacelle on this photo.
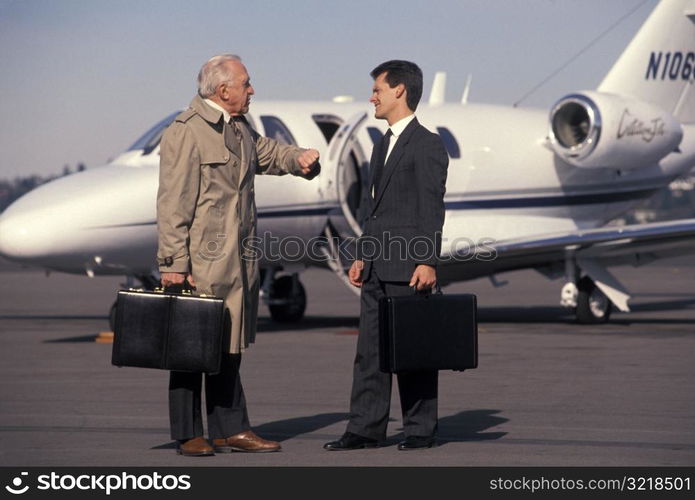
<point>594,130</point>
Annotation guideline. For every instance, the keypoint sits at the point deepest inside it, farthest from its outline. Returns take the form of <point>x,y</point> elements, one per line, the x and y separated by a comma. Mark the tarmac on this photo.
<point>547,392</point>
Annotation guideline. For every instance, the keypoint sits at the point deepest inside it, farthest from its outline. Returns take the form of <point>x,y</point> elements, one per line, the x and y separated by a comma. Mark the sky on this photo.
<point>81,80</point>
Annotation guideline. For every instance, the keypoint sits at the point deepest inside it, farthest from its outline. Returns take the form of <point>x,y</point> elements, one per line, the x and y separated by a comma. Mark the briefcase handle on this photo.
<point>184,288</point>
<point>437,290</point>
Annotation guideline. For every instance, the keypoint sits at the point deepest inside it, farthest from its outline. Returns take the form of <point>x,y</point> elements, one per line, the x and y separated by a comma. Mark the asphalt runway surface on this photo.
<point>548,392</point>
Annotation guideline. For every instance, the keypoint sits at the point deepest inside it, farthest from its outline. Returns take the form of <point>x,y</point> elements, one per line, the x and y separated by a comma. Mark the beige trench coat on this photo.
<point>206,207</point>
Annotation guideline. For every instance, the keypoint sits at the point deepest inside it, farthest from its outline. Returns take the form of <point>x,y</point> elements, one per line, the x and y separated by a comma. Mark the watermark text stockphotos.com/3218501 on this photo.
<point>271,248</point>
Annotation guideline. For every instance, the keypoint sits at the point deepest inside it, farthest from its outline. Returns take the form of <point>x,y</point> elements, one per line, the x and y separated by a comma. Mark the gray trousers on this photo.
<point>371,389</point>
<point>224,402</point>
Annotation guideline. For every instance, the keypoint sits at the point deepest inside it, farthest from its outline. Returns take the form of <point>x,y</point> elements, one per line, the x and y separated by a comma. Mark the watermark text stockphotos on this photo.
<point>388,247</point>
<point>102,482</point>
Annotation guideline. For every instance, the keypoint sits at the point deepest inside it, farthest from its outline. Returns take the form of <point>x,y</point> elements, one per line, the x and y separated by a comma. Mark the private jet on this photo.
<point>526,188</point>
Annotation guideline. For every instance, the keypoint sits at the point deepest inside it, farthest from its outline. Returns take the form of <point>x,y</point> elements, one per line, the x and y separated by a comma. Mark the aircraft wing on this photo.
<point>642,242</point>
<point>635,244</point>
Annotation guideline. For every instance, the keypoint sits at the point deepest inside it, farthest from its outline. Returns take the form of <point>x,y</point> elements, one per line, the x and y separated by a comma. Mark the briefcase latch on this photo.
<point>182,292</point>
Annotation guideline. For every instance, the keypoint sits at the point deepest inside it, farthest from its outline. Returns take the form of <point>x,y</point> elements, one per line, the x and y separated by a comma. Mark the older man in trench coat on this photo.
<point>205,210</point>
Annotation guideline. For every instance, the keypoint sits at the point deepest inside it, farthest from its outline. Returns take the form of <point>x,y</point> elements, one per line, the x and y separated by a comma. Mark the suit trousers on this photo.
<point>371,388</point>
<point>224,401</point>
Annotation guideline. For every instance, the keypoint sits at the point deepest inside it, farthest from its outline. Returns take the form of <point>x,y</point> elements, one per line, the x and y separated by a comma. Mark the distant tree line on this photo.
<point>10,190</point>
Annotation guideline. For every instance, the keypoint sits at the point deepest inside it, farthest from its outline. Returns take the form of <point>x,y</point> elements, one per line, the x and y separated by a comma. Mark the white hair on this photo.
<point>214,72</point>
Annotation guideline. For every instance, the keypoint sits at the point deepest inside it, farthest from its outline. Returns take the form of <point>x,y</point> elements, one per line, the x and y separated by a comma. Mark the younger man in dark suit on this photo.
<point>399,249</point>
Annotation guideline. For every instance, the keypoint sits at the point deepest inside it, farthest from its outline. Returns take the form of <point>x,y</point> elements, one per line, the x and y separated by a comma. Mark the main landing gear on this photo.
<point>590,304</point>
<point>593,306</point>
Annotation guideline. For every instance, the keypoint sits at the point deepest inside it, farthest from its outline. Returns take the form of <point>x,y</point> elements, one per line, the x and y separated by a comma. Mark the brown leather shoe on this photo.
<point>195,447</point>
<point>246,441</point>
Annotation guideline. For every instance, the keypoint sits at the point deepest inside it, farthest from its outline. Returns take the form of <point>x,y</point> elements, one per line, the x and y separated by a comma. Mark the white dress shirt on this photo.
<point>397,129</point>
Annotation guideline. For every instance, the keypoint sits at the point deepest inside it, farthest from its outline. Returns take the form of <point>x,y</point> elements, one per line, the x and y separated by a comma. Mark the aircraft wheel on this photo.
<point>292,297</point>
<point>593,307</point>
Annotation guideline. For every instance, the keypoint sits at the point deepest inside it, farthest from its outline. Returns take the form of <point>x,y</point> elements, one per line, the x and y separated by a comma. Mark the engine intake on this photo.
<point>593,130</point>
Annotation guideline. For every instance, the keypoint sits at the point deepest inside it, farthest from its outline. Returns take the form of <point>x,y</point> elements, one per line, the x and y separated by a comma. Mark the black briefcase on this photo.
<point>170,331</point>
<point>428,332</point>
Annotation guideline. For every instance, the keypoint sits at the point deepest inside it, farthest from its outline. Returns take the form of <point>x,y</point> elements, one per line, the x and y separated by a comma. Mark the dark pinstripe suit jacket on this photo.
<point>402,223</point>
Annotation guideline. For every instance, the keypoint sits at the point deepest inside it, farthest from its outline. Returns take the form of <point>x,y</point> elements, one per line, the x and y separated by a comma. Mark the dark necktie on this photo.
<point>379,165</point>
<point>232,136</point>
<point>235,124</point>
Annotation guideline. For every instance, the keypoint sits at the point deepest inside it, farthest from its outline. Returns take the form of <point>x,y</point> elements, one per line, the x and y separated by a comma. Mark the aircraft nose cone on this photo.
<point>19,237</point>
<point>73,223</point>
<point>11,236</point>
<point>33,227</point>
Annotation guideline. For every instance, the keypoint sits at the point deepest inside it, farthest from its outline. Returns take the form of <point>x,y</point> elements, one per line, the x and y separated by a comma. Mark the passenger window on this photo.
<point>328,124</point>
<point>450,143</point>
<point>276,129</point>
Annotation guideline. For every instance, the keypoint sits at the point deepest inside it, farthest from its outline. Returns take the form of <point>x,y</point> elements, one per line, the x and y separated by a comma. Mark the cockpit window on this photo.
<point>452,147</point>
<point>151,138</point>
<point>276,129</point>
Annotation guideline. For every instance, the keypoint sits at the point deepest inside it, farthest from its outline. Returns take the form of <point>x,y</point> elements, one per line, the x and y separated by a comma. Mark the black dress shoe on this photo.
<point>350,441</point>
<point>416,443</point>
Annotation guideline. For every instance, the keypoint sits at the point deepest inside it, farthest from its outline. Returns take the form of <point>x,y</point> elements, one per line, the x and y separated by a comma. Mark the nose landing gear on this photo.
<point>287,299</point>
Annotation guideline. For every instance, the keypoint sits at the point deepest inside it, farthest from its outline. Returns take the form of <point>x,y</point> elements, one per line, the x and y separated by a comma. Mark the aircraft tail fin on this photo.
<point>658,65</point>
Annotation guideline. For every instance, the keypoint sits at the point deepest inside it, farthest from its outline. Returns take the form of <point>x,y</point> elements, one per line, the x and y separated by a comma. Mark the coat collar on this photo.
<point>399,127</point>
<point>225,116</point>
<point>215,117</point>
<point>208,113</point>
